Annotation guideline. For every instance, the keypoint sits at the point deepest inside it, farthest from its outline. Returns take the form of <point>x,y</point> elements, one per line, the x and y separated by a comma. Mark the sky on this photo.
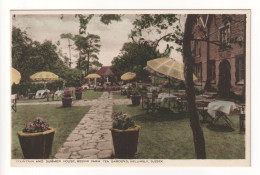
<point>41,27</point>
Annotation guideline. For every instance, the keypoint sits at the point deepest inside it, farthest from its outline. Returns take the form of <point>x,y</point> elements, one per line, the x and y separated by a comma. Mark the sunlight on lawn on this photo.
<point>167,135</point>
<point>64,120</point>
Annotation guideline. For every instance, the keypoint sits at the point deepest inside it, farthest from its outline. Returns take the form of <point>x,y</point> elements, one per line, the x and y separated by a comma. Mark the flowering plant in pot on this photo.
<point>36,139</point>
<point>67,99</point>
<point>78,93</point>
<point>135,96</point>
<point>125,134</point>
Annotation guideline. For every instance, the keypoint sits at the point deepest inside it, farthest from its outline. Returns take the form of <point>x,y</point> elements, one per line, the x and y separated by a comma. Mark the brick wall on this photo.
<point>215,51</point>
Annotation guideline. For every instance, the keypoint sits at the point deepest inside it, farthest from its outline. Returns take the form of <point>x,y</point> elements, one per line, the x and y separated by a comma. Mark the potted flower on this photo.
<point>36,139</point>
<point>125,134</point>
<point>67,99</point>
<point>78,93</point>
<point>135,96</point>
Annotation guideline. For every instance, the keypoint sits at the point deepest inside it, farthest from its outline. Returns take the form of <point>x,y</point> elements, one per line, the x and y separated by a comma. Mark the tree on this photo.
<point>134,57</point>
<point>161,23</point>
<point>198,136</point>
<point>89,48</point>
<point>29,57</point>
<point>163,27</point>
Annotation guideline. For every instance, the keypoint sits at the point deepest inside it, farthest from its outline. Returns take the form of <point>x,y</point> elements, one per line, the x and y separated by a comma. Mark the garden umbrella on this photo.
<point>167,67</point>
<point>16,76</point>
<point>95,76</point>
<point>44,77</point>
<point>128,76</point>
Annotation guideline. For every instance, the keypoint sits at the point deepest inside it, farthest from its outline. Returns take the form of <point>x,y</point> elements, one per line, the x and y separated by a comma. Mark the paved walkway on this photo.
<point>92,139</point>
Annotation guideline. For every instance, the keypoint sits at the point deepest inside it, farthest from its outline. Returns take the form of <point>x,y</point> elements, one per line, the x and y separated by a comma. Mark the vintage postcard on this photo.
<point>130,88</point>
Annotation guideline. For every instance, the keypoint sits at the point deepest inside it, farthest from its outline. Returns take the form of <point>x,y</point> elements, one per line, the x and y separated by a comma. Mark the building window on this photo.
<point>240,70</point>
<point>196,49</point>
<point>224,35</point>
<point>212,71</point>
<point>198,71</point>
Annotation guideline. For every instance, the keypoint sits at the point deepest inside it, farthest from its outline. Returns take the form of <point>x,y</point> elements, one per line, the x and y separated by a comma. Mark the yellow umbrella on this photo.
<point>16,76</point>
<point>128,76</point>
<point>92,76</point>
<point>44,77</point>
<point>95,76</point>
<point>167,67</point>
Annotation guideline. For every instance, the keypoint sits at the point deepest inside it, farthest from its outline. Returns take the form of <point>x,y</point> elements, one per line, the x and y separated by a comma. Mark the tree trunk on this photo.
<point>198,137</point>
<point>88,65</point>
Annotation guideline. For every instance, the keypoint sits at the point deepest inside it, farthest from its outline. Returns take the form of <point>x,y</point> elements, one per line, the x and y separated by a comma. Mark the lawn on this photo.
<point>86,95</point>
<point>64,120</point>
<point>119,96</point>
<point>90,94</point>
<point>167,135</point>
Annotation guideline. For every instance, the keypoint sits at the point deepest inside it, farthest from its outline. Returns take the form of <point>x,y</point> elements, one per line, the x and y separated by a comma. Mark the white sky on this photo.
<point>113,36</point>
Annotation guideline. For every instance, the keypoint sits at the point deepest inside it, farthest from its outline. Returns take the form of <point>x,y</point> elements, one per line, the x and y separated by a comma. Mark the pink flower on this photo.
<point>29,124</point>
<point>43,126</point>
<point>32,125</point>
<point>39,119</point>
<point>38,125</point>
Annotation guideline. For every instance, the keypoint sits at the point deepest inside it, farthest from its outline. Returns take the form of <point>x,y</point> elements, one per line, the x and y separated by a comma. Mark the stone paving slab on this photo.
<point>92,139</point>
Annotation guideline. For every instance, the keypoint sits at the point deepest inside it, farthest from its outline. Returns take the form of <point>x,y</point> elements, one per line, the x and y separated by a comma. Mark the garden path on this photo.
<point>92,139</point>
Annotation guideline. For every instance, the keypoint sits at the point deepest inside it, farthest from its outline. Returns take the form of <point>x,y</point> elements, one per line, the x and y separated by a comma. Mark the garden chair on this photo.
<point>151,102</point>
<point>13,102</point>
<point>202,108</point>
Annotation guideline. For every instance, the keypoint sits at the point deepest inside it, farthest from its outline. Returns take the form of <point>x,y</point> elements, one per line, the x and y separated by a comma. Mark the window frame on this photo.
<point>228,38</point>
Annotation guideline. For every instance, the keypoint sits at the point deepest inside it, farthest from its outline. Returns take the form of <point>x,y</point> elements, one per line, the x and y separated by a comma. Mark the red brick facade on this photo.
<point>220,63</point>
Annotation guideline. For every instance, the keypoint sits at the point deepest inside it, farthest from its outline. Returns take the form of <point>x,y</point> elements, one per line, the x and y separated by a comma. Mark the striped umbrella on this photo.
<point>16,76</point>
<point>44,77</point>
<point>128,76</point>
<point>167,67</point>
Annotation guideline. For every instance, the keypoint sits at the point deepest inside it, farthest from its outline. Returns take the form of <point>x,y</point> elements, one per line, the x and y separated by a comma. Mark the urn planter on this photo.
<point>78,96</point>
<point>36,145</point>
<point>125,142</point>
<point>136,99</point>
<point>66,101</point>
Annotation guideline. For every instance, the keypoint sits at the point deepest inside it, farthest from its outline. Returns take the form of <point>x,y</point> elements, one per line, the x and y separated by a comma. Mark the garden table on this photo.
<point>221,109</point>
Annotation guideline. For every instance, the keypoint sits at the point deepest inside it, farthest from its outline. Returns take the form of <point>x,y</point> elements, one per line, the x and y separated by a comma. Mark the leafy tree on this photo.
<point>29,57</point>
<point>134,57</point>
<point>89,48</point>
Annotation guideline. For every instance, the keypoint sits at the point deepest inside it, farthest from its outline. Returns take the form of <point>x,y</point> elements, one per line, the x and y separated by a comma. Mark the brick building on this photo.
<point>219,53</point>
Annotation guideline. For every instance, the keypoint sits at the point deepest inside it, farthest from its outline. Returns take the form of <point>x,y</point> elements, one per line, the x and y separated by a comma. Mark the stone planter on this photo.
<point>36,145</point>
<point>125,142</point>
<point>136,99</point>
<point>78,96</point>
<point>66,101</point>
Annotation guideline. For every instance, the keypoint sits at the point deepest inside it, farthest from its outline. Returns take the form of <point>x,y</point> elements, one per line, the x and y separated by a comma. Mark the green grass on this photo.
<point>119,96</point>
<point>64,120</point>
<point>167,135</point>
<point>90,95</point>
<point>87,95</point>
<point>37,100</point>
